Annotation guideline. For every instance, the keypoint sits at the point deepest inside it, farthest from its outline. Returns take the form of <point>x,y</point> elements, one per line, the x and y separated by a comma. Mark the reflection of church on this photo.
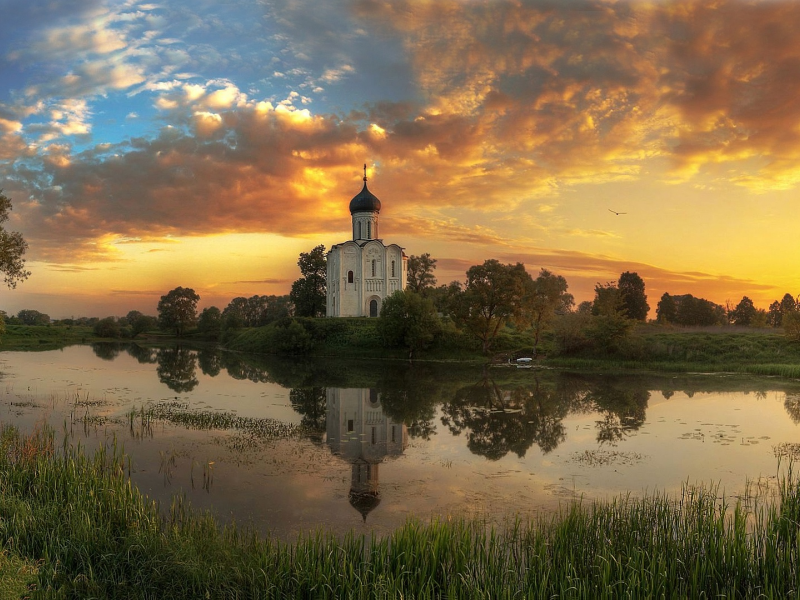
<point>359,432</point>
<point>363,271</point>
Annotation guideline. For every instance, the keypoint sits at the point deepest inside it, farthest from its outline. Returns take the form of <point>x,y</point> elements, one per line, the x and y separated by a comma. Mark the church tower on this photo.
<point>363,271</point>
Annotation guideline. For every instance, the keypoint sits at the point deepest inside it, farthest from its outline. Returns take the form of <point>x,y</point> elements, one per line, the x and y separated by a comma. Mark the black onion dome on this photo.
<point>365,201</point>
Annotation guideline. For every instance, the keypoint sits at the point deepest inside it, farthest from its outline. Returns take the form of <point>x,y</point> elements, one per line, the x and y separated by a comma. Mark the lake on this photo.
<point>289,446</point>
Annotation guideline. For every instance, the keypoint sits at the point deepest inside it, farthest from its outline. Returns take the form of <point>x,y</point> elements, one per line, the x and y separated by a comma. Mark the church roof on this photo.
<point>365,201</point>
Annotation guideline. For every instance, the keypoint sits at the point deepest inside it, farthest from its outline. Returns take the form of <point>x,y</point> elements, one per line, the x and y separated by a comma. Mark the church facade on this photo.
<point>363,271</point>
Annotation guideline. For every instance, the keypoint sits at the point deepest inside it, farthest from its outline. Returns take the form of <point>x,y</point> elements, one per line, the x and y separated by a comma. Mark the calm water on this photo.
<point>383,441</point>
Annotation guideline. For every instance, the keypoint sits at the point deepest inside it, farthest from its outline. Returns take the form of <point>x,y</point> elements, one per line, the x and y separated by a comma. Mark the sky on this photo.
<point>205,144</point>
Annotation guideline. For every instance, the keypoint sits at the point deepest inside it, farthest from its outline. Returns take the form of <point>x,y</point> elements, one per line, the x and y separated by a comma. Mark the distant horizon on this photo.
<point>149,146</point>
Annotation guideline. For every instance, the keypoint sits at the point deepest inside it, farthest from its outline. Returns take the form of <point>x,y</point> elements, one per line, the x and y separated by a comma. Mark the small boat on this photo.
<point>524,361</point>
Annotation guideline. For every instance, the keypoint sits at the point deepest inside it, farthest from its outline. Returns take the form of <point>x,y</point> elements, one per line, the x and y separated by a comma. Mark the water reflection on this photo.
<point>358,431</point>
<point>497,411</point>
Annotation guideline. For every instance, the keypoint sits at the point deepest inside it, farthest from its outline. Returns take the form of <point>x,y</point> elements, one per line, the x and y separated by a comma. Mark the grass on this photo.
<point>763,352</point>
<point>44,337</point>
<point>90,533</point>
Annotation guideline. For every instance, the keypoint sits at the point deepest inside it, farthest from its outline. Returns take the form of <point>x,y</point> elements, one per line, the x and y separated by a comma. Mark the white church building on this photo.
<point>363,271</point>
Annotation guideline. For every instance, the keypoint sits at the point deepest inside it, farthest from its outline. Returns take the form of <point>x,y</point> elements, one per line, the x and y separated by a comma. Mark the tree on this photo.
<point>491,297</point>
<point>791,325</point>
<point>33,317</point>
<point>140,323</point>
<point>544,297</point>
<point>107,328</point>
<point>12,249</point>
<point>634,300</point>
<point>667,309</point>
<point>309,293</point>
<point>419,277</point>
<point>744,313</point>
<point>408,320</point>
<point>774,316</point>
<point>610,324</point>
<point>210,322</point>
<point>178,310</point>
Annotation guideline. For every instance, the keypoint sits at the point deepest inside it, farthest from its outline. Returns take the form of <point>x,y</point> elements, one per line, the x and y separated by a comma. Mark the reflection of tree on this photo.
<point>239,368</point>
<point>176,367</point>
<point>143,355</point>
<point>106,350</point>
<point>500,420</point>
<point>312,404</point>
<point>210,361</point>
<point>623,409</point>
<point>409,397</point>
<point>792,406</point>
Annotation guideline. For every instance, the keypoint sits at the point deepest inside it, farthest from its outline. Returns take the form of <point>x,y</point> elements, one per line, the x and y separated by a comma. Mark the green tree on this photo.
<point>744,313</point>
<point>177,310</point>
<point>791,325</point>
<point>140,323</point>
<point>610,324</point>
<point>33,317</point>
<point>544,297</point>
<point>12,249</point>
<point>309,293</point>
<point>634,300</point>
<point>491,297</point>
<point>408,320</point>
<point>210,322</point>
<point>107,328</point>
<point>774,316</point>
<point>667,309</point>
<point>420,278</point>
<point>788,304</point>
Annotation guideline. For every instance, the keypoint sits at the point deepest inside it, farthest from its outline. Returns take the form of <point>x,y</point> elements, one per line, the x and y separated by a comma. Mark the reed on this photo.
<point>90,533</point>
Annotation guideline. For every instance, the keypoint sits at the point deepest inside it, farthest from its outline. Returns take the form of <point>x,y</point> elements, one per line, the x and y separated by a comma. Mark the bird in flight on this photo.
<point>618,213</point>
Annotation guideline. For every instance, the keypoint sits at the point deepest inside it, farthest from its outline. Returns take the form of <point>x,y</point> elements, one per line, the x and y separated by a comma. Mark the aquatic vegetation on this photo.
<point>91,533</point>
<point>179,413</point>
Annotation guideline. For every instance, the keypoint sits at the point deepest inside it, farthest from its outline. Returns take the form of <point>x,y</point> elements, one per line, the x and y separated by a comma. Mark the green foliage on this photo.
<point>177,310</point>
<point>419,275</point>
<point>667,309</point>
<point>33,317</point>
<point>293,339</point>
<point>408,320</point>
<point>634,300</point>
<point>544,297</point>
<point>108,328</point>
<point>791,325</point>
<point>12,249</point>
<point>491,298</point>
<point>744,313</point>
<point>210,322</point>
<point>309,293</point>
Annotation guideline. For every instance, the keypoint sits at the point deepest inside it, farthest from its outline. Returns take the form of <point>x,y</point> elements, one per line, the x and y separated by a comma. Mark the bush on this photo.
<point>293,339</point>
<point>107,328</point>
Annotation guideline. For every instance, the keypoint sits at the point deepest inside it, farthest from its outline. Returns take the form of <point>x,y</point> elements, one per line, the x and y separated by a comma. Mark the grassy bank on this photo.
<point>80,530</point>
<point>44,337</point>
<point>764,352</point>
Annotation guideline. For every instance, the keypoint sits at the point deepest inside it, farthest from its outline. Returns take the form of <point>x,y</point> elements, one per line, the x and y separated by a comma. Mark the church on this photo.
<point>363,271</point>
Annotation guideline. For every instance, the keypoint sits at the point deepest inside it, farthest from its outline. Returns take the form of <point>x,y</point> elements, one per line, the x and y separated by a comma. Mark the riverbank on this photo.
<point>80,529</point>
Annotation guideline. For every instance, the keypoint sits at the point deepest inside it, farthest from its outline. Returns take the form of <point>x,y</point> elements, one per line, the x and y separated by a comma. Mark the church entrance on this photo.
<point>373,308</point>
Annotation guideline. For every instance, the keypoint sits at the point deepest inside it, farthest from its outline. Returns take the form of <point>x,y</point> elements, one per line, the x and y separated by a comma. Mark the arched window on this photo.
<point>349,277</point>
<point>373,308</point>
<point>393,275</point>
<point>369,230</point>
<point>359,231</point>
<point>373,267</point>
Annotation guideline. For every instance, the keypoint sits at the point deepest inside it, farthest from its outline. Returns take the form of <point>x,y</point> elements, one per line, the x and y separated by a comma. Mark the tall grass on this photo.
<point>92,534</point>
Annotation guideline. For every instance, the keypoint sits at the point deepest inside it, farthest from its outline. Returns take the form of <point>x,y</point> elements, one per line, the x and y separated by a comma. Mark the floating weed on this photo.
<point>179,413</point>
<point>596,458</point>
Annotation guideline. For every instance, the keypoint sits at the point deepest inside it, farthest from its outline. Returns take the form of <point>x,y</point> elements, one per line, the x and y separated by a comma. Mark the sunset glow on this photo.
<point>147,146</point>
